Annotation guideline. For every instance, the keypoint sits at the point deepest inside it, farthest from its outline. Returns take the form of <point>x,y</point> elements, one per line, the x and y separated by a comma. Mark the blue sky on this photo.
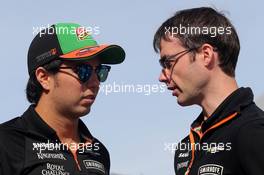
<point>134,126</point>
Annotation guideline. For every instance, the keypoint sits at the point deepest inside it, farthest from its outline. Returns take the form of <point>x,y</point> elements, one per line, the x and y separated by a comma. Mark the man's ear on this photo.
<point>43,77</point>
<point>209,55</point>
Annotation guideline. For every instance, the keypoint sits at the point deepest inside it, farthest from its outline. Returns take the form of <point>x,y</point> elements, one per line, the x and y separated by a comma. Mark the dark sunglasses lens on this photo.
<point>102,72</point>
<point>84,72</point>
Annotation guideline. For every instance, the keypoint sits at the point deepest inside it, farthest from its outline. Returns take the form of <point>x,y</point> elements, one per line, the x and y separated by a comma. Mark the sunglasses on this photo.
<point>85,71</point>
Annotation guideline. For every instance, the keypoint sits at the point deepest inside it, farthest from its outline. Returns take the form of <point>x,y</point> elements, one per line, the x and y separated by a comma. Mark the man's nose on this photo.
<point>163,77</point>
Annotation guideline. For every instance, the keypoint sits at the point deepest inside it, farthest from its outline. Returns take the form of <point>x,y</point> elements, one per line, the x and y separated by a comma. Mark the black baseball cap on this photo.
<point>72,42</point>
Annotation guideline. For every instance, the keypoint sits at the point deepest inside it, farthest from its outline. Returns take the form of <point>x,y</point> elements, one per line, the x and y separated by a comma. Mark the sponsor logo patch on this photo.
<point>215,149</point>
<point>92,164</point>
<point>82,33</point>
<point>51,156</point>
<point>55,169</point>
<point>182,165</point>
<point>87,50</point>
<point>210,169</point>
<point>184,154</point>
<point>47,54</point>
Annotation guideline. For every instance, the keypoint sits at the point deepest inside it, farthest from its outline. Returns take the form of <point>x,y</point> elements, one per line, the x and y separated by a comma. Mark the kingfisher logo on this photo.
<point>82,33</point>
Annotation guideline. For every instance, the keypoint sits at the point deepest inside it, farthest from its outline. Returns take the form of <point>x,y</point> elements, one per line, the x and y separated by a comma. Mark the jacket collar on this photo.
<point>235,102</point>
<point>35,125</point>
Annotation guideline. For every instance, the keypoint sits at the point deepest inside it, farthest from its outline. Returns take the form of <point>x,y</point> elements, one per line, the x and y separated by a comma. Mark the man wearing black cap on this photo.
<point>199,49</point>
<point>66,66</point>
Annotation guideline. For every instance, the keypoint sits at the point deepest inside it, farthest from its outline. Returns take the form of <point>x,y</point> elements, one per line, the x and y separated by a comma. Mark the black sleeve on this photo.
<point>11,153</point>
<point>105,157</point>
<point>1,167</point>
<point>250,148</point>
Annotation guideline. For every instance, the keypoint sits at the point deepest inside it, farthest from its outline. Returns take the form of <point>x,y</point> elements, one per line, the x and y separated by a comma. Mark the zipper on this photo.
<point>75,157</point>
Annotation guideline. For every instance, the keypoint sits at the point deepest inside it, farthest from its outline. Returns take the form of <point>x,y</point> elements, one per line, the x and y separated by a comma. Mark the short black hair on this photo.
<point>34,88</point>
<point>197,21</point>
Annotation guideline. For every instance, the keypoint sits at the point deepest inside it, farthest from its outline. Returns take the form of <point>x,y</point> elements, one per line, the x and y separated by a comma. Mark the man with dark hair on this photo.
<point>65,68</point>
<point>199,49</point>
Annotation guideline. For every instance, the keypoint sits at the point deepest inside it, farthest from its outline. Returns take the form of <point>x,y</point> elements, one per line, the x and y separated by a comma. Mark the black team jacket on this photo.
<point>229,142</point>
<point>28,146</point>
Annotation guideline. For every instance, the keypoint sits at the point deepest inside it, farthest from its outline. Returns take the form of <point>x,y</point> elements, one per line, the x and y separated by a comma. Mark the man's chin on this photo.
<point>183,102</point>
<point>84,111</point>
